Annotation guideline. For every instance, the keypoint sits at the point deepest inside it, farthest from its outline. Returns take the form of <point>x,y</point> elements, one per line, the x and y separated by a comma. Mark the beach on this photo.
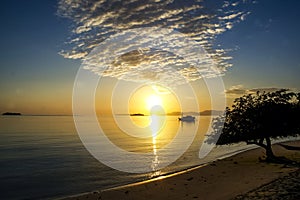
<point>240,176</point>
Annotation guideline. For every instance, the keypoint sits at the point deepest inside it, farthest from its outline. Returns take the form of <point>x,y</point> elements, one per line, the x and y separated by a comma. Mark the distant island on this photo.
<point>11,113</point>
<point>177,113</point>
<point>211,112</point>
<point>203,113</point>
<point>174,113</point>
<point>137,114</point>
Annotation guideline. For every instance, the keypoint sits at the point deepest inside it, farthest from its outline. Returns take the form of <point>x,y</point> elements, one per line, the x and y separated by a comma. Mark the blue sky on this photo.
<point>34,78</point>
<point>268,46</point>
<point>32,71</point>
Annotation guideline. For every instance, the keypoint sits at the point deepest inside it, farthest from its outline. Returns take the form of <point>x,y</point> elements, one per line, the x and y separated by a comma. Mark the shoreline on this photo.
<point>224,178</point>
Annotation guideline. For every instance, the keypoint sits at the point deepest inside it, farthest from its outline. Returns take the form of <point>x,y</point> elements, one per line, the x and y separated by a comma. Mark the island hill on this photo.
<point>11,113</point>
<point>203,113</point>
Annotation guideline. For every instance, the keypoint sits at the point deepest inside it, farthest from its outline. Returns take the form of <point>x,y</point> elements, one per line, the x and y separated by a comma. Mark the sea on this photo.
<point>45,157</point>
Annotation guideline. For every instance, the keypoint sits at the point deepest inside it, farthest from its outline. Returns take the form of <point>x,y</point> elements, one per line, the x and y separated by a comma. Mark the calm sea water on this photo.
<point>42,157</point>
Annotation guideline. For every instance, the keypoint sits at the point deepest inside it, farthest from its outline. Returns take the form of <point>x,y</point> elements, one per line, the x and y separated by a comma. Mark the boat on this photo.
<point>187,118</point>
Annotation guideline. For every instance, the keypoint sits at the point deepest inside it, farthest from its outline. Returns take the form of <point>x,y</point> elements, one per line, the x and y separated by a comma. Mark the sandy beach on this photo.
<point>242,176</point>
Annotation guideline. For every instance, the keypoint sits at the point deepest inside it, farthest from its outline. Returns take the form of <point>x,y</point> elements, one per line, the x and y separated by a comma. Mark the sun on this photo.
<point>152,101</point>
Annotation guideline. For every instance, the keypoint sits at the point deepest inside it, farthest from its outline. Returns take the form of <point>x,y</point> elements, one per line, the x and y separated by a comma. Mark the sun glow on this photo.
<point>149,101</point>
<point>152,101</point>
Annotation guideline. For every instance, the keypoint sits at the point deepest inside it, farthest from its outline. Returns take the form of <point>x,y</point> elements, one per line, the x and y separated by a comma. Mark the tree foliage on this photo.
<point>258,118</point>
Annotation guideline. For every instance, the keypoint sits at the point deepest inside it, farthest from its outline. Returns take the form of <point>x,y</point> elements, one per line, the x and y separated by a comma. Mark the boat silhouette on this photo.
<point>187,118</point>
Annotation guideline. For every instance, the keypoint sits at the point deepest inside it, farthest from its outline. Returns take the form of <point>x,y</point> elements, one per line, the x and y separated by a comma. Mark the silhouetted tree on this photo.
<point>258,118</point>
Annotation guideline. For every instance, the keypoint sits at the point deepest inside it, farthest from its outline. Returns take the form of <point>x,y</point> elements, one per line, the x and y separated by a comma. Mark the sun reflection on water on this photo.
<point>156,123</point>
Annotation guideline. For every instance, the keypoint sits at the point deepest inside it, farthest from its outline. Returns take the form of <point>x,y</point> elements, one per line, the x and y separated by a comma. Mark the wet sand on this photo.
<point>240,176</point>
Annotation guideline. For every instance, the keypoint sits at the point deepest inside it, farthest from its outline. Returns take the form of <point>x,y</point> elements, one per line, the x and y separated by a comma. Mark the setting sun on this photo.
<point>152,101</point>
<point>147,100</point>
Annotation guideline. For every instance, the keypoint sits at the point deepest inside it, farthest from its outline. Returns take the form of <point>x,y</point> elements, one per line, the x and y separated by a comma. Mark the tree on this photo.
<point>258,118</point>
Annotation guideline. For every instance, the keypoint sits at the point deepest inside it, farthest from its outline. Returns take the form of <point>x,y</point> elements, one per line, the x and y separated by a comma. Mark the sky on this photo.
<point>40,39</point>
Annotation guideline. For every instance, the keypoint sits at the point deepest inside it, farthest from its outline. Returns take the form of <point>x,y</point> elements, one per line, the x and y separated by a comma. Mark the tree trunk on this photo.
<point>268,147</point>
<point>269,151</point>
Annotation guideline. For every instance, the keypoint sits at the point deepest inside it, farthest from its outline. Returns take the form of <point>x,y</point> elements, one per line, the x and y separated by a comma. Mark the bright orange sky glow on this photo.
<point>146,98</point>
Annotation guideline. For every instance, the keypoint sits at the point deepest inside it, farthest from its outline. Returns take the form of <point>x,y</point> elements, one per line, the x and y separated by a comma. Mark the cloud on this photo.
<point>154,55</point>
<point>255,90</point>
<point>236,90</point>
<point>96,21</point>
<point>231,16</point>
<point>240,90</point>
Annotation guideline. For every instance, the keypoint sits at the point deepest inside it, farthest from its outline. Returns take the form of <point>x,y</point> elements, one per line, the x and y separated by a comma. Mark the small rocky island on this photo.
<point>137,114</point>
<point>11,113</point>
